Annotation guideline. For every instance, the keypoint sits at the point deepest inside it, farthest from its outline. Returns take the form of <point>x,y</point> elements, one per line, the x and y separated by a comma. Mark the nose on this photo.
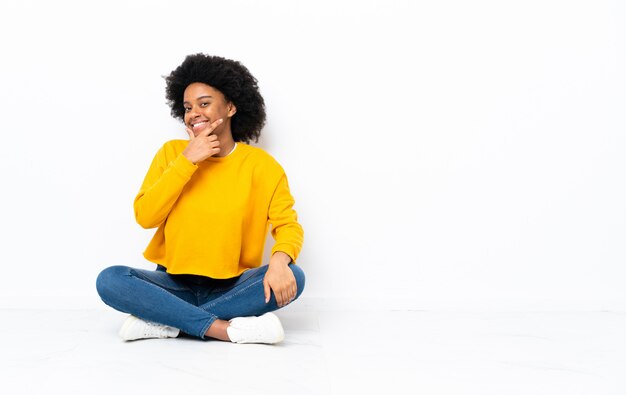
<point>192,113</point>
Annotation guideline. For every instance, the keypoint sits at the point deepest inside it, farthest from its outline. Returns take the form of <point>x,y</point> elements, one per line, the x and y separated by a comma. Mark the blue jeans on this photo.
<point>188,302</point>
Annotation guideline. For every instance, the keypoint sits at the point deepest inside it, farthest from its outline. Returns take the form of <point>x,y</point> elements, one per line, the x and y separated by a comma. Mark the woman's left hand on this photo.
<point>280,279</point>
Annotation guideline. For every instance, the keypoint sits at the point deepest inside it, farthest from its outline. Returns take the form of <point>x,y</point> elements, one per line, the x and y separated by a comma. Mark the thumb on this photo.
<point>190,133</point>
<point>266,288</point>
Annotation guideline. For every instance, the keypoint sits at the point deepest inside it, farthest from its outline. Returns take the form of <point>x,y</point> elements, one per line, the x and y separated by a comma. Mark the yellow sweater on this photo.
<point>213,217</point>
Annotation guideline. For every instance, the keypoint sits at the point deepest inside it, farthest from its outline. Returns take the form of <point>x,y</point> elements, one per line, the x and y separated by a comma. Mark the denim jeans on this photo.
<point>188,302</point>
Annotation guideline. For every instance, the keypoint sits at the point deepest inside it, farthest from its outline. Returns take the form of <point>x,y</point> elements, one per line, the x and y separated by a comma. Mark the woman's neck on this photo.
<point>227,144</point>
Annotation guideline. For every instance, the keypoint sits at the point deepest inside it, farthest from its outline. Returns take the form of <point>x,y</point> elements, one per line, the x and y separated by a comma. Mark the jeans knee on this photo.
<point>300,278</point>
<point>108,280</point>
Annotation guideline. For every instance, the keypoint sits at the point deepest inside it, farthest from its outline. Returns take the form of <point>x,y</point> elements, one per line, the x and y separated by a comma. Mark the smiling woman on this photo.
<point>227,79</point>
<point>212,199</point>
<point>206,108</point>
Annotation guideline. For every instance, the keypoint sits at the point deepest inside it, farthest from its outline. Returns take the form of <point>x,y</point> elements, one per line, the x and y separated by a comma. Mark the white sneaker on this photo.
<point>135,328</point>
<point>264,329</point>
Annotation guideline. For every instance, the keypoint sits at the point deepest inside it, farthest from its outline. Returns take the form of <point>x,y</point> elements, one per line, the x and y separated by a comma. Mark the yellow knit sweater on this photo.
<point>213,217</point>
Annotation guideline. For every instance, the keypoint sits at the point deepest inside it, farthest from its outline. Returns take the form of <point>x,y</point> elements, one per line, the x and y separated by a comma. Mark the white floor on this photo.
<point>388,352</point>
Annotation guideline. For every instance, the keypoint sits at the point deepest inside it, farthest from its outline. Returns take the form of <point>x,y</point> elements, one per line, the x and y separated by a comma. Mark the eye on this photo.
<point>204,104</point>
<point>187,109</point>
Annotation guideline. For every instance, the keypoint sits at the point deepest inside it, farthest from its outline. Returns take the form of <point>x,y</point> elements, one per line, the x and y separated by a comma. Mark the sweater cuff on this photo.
<point>183,166</point>
<point>287,249</point>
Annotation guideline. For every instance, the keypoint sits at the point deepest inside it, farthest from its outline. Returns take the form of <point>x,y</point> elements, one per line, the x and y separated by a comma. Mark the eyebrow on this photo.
<point>201,97</point>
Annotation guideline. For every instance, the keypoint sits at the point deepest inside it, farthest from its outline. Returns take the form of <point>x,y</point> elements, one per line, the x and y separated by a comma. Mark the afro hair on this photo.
<point>229,77</point>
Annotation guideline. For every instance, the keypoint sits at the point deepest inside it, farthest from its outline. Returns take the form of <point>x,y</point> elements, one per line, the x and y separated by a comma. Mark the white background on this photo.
<point>443,154</point>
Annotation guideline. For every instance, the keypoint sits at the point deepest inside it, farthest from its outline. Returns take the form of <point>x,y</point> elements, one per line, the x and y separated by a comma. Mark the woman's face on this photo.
<point>204,105</point>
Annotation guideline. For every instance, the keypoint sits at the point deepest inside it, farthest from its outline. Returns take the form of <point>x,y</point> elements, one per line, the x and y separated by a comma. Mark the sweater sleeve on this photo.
<point>161,188</point>
<point>286,230</point>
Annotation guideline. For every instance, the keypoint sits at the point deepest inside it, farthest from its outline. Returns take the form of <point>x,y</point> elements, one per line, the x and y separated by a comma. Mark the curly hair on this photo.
<point>229,77</point>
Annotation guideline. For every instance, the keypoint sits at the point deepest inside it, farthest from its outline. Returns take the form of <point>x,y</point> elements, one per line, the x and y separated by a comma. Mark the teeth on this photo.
<point>198,124</point>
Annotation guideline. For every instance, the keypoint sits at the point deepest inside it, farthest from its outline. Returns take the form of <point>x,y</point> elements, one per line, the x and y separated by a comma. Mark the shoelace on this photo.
<point>152,329</point>
<point>254,330</point>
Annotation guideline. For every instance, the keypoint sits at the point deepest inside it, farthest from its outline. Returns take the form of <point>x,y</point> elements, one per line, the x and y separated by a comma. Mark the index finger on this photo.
<point>210,128</point>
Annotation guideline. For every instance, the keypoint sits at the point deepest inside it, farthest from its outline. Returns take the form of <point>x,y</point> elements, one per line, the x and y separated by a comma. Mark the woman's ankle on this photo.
<point>217,330</point>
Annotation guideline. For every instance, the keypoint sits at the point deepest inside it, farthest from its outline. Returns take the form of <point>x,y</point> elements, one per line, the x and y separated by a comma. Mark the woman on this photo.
<point>212,198</point>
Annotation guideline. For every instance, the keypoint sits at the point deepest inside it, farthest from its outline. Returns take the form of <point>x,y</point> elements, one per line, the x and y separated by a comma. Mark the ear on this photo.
<point>232,109</point>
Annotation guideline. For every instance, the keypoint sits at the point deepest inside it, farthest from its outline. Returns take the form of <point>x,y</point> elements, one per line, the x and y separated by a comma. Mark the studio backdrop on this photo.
<point>442,154</point>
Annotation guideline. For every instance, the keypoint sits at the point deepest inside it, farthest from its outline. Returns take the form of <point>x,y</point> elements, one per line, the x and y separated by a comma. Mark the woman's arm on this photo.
<point>286,230</point>
<point>161,188</point>
<point>165,181</point>
<point>289,236</point>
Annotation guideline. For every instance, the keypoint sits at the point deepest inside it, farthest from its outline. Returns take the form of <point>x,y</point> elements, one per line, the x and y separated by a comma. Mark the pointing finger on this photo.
<point>207,131</point>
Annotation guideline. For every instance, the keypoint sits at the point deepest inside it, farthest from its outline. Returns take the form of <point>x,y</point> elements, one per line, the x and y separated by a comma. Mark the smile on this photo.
<point>198,124</point>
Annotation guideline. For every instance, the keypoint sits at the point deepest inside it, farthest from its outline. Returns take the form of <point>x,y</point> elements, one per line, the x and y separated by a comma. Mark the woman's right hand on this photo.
<point>204,145</point>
